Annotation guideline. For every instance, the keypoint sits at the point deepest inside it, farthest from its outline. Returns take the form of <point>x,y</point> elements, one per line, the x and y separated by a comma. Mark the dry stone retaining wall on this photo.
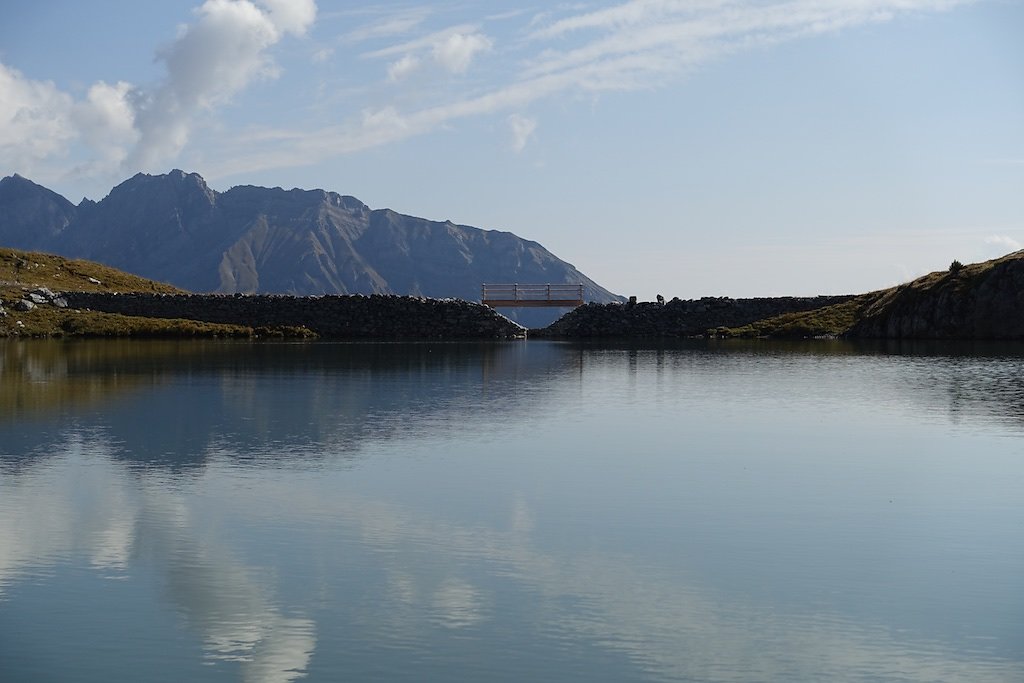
<point>675,318</point>
<point>357,316</point>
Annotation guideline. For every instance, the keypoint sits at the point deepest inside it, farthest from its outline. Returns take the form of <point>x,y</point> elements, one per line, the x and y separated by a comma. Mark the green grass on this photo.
<point>829,321</point>
<point>34,269</point>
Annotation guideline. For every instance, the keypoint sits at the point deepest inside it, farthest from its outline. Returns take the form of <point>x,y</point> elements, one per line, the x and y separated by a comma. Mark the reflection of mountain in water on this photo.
<point>176,405</point>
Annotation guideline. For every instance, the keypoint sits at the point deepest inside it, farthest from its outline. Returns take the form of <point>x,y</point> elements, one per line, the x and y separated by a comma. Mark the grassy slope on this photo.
<point>830,321</point>
<point>834,321</point>
<point>21,271</point>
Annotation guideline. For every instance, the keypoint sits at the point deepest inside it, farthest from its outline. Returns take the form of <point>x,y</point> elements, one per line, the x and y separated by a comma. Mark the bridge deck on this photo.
<point>528,296</point>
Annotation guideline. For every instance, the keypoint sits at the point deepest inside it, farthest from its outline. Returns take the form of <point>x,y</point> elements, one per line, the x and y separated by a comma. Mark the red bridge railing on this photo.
<point>516,295</point>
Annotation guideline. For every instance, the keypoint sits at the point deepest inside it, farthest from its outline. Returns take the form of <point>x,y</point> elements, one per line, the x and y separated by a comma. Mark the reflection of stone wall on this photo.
<point>344,317</point>
<point>677,318</point>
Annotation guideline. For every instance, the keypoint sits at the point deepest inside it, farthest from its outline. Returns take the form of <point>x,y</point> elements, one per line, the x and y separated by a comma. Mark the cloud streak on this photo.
<point>522,130</point>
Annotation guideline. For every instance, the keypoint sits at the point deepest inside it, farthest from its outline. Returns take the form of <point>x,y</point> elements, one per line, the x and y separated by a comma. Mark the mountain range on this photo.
<point>176,229</point>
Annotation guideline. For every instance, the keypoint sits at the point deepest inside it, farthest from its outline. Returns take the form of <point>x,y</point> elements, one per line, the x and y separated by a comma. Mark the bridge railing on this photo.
<point>514,295</point>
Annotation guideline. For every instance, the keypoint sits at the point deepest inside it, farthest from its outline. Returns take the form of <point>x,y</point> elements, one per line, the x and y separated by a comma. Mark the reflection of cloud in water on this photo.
<point>283,653</point>
<point>457,604</point>
<point>665,622</point>
<point>88,506</point>
<point>51,511</point>
<point>221,598</point>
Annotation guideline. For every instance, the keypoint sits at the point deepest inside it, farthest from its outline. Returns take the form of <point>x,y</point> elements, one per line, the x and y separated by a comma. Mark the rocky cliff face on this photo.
<point>978,301</point>
<point>175,229</point>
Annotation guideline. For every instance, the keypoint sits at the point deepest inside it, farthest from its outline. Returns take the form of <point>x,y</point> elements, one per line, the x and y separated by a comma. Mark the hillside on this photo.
<point>35,277</point>
<point>174,228</point>
<point>976,301</point>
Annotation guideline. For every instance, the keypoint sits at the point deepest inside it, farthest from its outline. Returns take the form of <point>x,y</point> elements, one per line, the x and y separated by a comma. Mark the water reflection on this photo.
<point>544,511</point>
<point>179,403</point>
<point>87,506</point>
<point>667,625</point>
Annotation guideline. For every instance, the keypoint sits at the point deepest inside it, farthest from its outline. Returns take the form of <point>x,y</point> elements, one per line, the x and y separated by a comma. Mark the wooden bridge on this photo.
<point>516,295</point>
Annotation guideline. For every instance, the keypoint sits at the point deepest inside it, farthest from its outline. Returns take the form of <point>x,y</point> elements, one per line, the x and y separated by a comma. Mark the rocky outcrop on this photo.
<point>675,318</point>
<point>337,317</point>
<point>38,296</point>
<point>978,301</point>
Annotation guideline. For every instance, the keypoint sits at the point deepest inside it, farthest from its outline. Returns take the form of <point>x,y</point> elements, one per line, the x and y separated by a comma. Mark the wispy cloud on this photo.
<point>628,46</point>
<point>522,129</point>
<point>453,49</point>
<point>426,42</point>
<point>398,24</point>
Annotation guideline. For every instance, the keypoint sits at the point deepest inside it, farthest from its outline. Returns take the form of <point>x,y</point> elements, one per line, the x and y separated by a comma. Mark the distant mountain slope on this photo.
<point>175,229</point>
<point>31,216</point>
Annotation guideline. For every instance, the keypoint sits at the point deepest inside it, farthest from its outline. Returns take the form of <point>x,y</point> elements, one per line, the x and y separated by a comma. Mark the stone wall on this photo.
<point>675,318</point>
<point>337,317</point>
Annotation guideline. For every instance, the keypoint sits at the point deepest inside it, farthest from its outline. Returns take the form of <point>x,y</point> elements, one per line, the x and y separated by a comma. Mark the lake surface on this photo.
<point>208,511</point>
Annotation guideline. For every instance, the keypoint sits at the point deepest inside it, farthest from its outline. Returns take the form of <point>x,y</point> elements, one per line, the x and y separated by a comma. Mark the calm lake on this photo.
<point>529,511</point>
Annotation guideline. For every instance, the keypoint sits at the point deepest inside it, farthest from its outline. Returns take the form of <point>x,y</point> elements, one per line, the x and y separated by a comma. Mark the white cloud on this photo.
<point>35,121</point>
<point>522,130</point>
<point>999,245</point>
<point>398,70</point>
<point>129,128</point>
<point>456,52</point>
<point>106,121</point>
<point>291,16</point>
<point>211,61</point>
<point>323,55</point>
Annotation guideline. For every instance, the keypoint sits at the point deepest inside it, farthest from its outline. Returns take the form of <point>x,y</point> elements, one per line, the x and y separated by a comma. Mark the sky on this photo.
<point>679,147</point>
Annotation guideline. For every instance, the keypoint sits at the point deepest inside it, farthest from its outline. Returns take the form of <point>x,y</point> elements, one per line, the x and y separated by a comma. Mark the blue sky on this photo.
<point>688,148</point>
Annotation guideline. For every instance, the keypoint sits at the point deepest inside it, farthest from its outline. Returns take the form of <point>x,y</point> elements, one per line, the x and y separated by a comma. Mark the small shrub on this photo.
<point>955,267</point>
